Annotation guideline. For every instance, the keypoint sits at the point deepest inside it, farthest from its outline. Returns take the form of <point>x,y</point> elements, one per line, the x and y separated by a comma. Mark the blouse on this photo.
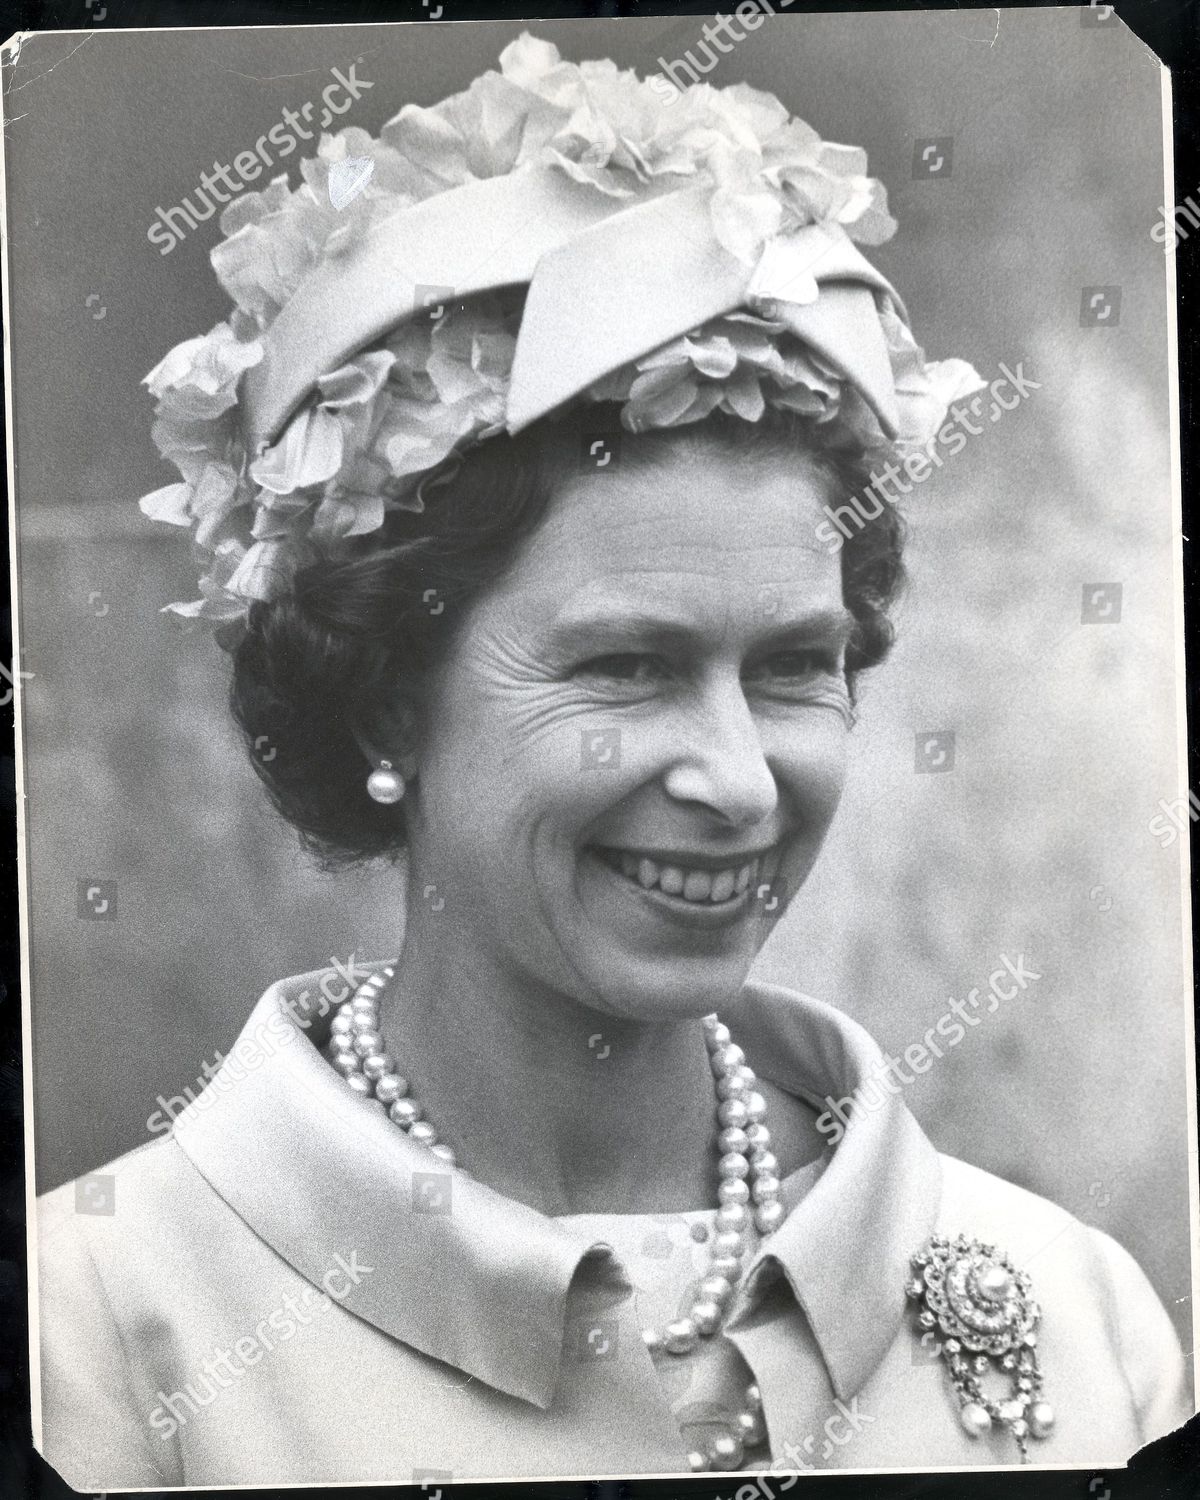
<point>286,1289</point>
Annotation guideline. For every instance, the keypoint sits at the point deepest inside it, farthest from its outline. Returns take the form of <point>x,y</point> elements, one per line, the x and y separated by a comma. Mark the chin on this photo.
<point>667,991</point>
<point>647,953</point>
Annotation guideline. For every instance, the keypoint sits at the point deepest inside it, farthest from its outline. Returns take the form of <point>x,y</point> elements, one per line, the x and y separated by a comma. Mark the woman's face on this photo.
<point>636,746</point>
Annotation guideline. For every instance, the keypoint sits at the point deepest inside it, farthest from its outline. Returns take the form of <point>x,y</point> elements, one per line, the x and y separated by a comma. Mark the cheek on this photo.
<point>810,763</point>
<point>521,763</point>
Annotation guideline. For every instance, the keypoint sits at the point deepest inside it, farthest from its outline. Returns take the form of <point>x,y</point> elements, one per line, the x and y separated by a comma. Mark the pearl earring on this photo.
<point>385,784</point>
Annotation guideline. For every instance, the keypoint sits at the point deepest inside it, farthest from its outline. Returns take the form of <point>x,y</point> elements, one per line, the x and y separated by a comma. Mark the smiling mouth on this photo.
<point>716,886</point>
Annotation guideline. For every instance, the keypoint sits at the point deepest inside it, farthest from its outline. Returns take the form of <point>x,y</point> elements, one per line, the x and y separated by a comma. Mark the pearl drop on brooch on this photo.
<point>1041,1419</point>
<point>975,1419</point>
<point>750,1428</point>
<point>727,1452</point>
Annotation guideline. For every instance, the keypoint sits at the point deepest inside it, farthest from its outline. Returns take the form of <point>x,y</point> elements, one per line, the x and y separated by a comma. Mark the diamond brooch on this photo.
<point>984,1319</point>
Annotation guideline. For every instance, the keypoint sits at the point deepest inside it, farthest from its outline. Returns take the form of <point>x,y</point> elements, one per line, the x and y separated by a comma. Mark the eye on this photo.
<point>631,668</point>
<point>800,665</point>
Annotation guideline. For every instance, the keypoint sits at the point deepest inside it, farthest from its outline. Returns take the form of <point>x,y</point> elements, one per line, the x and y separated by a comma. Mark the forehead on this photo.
<point>696,524</point>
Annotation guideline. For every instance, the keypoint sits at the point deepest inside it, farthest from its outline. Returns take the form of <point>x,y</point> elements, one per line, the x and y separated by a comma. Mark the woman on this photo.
<point>510,472</point>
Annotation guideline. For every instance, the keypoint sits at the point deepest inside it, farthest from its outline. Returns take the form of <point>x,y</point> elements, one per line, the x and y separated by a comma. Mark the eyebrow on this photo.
<point>640,627</point>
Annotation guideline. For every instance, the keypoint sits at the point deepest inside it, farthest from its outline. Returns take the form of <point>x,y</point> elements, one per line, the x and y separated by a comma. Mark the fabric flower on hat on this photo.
<point>737,364</point>
<point>373,428</point>
<point>361,443</point>
<point>924,391</point>
<point>742,363</point>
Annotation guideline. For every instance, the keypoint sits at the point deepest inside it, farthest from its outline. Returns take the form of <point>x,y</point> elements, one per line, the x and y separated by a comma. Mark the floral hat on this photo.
<point>552,235</point>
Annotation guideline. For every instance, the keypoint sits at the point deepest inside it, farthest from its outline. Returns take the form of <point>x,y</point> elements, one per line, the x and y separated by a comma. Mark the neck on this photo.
<point>550,1103</point>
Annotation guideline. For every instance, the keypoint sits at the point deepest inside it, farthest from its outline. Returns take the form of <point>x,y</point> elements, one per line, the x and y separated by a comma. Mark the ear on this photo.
<point>390,735</point>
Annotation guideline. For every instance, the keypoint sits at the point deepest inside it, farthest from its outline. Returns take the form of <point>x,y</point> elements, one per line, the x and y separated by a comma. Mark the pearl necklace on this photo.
<point>748,1189</point>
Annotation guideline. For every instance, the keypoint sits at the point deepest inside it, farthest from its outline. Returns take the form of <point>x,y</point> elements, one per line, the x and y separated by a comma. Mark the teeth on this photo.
<point>697,886</point>
<point>702,886</point>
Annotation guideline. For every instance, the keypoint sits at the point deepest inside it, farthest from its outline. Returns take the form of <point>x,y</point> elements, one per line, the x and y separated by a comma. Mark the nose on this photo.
<point>722,766</point>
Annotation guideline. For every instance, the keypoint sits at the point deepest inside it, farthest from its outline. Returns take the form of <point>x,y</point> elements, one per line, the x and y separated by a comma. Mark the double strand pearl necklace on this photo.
<point>748,1190</point>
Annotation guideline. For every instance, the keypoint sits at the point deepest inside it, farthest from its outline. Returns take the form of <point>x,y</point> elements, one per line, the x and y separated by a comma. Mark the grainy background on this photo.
<point>1036,843</point>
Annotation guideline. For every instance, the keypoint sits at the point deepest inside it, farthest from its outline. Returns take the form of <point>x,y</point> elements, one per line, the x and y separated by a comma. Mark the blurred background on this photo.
<point>1035,841</point>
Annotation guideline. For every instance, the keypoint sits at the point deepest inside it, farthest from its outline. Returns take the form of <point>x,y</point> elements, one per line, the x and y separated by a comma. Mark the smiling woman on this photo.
<point>528,591</point>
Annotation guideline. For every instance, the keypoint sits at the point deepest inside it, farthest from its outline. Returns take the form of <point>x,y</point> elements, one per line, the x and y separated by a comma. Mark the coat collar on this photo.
<point>844,1248</point>
<point>480,1281</point>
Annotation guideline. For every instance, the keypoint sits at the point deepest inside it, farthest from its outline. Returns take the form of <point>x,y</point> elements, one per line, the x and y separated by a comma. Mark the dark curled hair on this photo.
<point>317,664</point>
